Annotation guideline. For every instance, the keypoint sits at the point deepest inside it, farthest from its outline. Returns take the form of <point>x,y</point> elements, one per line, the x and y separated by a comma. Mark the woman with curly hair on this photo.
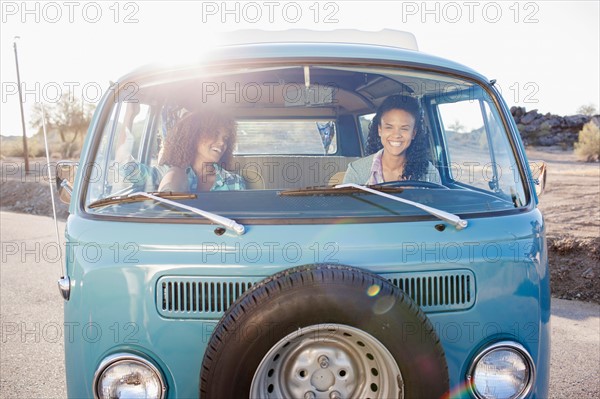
<point>397,144</point>
<point>198,150</point>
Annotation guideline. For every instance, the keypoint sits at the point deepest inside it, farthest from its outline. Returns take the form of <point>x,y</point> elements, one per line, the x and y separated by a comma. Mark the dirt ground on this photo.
<point>571,208</point>
<point>570,204</point>
<point>28,193</point>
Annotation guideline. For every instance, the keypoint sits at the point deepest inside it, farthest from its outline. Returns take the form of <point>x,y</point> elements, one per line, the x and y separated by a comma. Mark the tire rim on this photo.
<point>332,361</point>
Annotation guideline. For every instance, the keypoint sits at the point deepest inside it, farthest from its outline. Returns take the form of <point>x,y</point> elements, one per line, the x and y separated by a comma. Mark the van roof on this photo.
<point>254,54</point>
<point>383,37</point>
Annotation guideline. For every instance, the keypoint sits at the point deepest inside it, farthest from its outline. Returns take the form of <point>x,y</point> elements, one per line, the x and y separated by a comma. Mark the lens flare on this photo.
<point>461,391</point>
<point>373,290</point>
<point>384,304</point>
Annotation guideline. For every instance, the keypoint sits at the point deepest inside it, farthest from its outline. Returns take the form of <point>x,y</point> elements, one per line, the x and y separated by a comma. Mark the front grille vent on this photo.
<point>189,295</point>
<point>209,297</point>
<point>438,291</point>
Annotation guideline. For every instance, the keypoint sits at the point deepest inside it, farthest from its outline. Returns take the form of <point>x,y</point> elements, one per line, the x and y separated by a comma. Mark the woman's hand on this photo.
<point>175,180</point>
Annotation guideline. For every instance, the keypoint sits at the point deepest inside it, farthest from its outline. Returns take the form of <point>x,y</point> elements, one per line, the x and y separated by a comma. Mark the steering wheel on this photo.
<point>413,183</point>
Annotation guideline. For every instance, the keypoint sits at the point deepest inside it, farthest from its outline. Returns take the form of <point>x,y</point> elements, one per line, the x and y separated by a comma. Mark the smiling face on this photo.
<point>396,130</point>
<point>211,148</point>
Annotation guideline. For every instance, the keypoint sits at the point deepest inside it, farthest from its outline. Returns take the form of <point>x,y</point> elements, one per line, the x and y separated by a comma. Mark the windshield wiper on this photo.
<point>162,197</point>
<point>451,218</point>
<point>127,198</point>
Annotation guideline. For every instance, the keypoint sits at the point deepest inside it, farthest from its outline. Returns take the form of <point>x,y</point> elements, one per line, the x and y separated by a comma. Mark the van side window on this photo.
<point>120,146</point>
<point>477,152</point>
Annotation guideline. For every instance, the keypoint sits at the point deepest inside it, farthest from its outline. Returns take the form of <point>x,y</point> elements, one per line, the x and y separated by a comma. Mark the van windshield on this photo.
<point>238,139</point>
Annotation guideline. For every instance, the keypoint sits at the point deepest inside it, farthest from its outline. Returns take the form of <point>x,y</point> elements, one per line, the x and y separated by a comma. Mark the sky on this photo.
<point>544,55</point>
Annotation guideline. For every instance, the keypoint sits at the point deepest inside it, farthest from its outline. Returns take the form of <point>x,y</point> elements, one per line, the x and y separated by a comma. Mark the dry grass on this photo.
<point>587,147</point>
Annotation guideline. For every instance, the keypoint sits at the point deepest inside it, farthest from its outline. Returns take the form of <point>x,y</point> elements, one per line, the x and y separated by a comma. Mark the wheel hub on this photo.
<point>322,380</point>
<point>330,361</point>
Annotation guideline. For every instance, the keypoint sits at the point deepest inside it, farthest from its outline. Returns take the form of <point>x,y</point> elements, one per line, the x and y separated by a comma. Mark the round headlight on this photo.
<point>503,370</point>
<point>128,376</point>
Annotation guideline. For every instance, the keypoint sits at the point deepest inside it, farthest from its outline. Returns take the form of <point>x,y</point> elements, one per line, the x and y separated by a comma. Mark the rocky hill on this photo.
<point>548,129</point>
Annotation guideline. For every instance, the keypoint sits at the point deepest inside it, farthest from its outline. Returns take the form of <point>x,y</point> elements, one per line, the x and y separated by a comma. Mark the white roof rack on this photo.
<point>384,37</point>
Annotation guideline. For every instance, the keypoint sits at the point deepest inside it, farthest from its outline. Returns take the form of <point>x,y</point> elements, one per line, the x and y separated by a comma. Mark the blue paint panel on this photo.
<point>507,259</point>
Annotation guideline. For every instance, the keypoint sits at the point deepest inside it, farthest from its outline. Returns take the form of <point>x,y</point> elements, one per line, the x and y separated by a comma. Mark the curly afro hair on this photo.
<point>181,144</point>
<point>417,161</point>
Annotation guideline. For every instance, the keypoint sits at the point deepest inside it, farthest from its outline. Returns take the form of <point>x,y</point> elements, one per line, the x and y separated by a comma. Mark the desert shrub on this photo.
<point>14,147</point>
<point>11,148</point>
<point>37,149</point>
<point>587,148</point>
<point>587,109</point>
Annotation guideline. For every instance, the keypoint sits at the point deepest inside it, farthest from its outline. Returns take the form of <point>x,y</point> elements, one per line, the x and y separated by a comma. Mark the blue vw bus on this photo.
<point>300,282</point>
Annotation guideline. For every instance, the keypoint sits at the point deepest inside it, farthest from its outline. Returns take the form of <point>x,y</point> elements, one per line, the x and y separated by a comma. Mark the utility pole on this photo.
<point>25,151</point>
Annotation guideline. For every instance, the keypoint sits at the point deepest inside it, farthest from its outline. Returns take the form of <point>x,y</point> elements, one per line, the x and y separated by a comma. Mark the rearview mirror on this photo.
<point>538,171</point>
<point>65,176</point>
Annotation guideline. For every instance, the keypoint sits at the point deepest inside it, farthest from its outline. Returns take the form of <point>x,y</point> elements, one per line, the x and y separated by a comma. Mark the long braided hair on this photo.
<point>416,154</point>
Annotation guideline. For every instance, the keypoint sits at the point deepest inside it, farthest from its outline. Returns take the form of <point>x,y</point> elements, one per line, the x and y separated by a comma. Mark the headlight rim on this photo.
<point>515,346</point>
<point>116,358</point>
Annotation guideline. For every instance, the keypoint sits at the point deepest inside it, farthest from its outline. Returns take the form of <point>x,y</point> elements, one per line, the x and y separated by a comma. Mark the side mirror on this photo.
<point>538,171</point>
<point>65,176</point>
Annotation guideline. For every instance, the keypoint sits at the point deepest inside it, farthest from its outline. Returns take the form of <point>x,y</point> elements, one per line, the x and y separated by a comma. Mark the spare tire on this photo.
<point>324,331</point>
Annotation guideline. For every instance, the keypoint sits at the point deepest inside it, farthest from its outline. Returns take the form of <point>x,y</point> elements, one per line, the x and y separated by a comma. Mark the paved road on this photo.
<point>31,348</point>
<point>31,310</point>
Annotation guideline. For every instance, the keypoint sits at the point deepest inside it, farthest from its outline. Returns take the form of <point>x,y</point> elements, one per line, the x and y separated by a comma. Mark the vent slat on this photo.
<point>194,297</point>
<point>202,307</point>
<point>468,290</point>
<point>211,298</point>
<point>220,296</point>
